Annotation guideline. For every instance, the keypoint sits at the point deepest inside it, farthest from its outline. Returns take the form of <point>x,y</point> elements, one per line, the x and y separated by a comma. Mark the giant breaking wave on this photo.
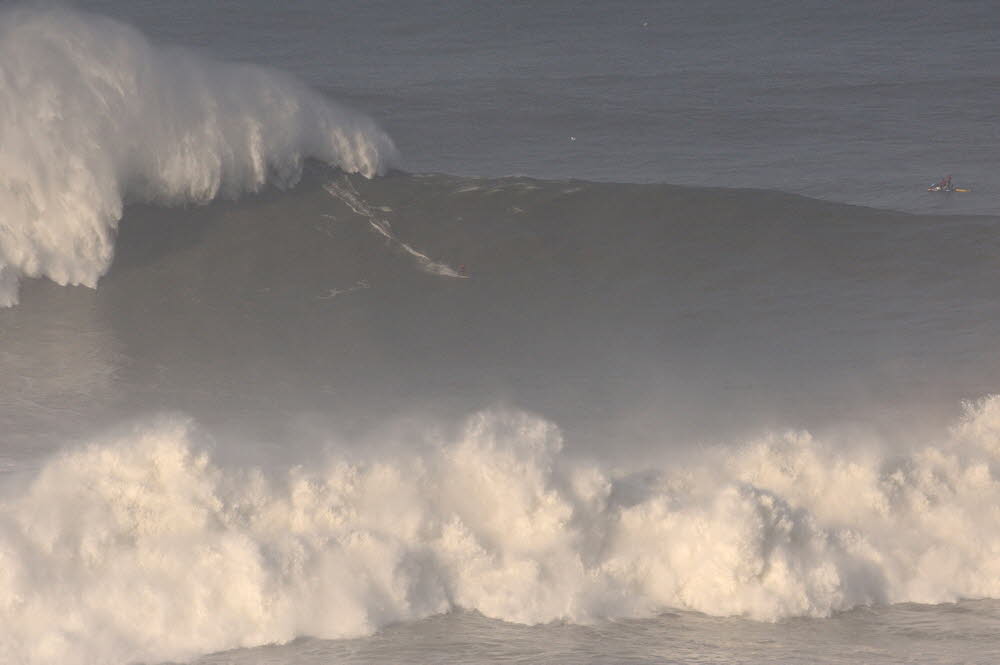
<point>142,548</point>
<point>92,115</point>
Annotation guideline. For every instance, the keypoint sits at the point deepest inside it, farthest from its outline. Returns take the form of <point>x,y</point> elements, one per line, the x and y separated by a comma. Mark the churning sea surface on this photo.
<point>535,332</point>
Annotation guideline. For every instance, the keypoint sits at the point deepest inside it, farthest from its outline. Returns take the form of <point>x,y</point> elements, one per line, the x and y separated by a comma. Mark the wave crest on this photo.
<point>93,115</point>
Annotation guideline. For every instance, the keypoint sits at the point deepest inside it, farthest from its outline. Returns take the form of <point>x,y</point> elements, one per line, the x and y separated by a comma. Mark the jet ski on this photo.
<point>946,187</point>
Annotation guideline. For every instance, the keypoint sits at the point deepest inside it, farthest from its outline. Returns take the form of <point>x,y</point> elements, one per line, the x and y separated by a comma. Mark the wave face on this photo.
<point>140,547</point>
<point>330,341</point>
<point>92,114</point>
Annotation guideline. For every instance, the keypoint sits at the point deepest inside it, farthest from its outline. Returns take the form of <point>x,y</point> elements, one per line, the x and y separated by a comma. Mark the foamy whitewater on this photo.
<point>314,409</point>
<point>92,115</point>
<point>142,549</point>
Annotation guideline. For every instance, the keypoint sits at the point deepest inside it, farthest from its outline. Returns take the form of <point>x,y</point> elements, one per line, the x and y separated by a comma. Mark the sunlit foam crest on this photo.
<point>140,547</point>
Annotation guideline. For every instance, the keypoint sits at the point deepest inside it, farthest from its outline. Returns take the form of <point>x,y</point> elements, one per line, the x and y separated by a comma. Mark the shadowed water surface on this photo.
<point>918,634</point>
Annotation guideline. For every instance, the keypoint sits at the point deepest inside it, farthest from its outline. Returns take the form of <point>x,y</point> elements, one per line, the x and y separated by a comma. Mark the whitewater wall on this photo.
<point>93,115</point>
<point>139,547</point>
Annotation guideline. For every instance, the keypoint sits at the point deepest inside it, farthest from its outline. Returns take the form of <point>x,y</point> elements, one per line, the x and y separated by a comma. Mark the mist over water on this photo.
<point>298,398</point>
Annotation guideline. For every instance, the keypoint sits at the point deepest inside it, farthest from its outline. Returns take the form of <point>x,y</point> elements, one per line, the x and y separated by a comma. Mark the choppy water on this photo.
<point>326,406</point>
<point>903,633</point>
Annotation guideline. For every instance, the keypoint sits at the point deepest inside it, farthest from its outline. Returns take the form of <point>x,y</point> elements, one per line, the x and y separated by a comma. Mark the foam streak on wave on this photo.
<point>92,115</point>
<point>141,548</point>
<point>349,195</point>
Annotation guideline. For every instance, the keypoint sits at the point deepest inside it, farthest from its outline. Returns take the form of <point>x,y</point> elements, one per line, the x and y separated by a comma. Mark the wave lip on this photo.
<point>92,115</point>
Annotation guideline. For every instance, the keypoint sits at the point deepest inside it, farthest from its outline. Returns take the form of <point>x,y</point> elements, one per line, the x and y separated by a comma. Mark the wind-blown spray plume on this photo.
<point>92,116</point>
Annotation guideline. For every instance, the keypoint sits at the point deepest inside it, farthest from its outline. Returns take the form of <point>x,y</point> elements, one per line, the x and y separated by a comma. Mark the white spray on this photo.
<point>141,549</point>
<point>92,115</point>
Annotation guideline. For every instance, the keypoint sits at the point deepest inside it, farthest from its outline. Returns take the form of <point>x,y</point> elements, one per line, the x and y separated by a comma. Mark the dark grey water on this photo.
<point>858,103</point>
<point>903,633</point>
<point>659,317</point>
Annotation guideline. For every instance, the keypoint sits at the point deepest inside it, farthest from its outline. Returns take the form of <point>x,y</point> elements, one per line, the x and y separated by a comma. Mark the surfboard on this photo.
<point>935,188</point>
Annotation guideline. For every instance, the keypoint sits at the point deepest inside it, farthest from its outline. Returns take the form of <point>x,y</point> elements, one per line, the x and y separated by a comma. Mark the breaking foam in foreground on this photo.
<point>142,548</point>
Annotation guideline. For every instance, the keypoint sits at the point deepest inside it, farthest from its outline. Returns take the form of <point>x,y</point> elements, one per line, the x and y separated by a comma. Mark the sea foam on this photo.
<point>92,116</point>
<point>139,547</point>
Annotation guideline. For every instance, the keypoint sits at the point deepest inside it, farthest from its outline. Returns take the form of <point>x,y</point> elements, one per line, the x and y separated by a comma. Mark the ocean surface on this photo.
<point>488,333</point>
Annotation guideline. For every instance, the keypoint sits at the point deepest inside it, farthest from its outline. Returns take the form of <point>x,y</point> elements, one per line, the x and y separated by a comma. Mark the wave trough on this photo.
<point>92,116</point>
